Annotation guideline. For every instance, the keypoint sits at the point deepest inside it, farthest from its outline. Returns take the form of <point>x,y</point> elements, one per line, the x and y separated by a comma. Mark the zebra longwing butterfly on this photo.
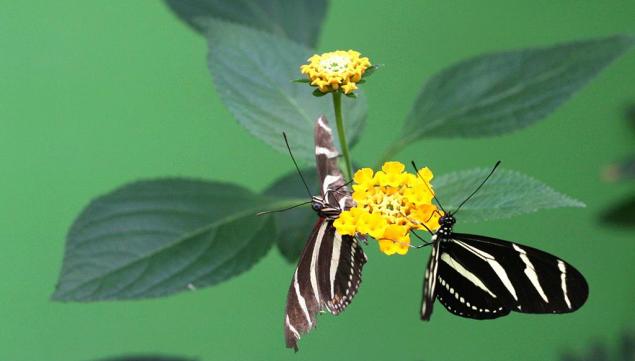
<point>482,278</point>
<point>330,267</point>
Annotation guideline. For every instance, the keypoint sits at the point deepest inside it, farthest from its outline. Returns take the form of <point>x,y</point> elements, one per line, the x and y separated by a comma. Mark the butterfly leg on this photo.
<point>424,244</point>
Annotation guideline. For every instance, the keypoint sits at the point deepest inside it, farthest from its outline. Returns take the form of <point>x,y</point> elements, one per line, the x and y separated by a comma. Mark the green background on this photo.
<point>94,94</point>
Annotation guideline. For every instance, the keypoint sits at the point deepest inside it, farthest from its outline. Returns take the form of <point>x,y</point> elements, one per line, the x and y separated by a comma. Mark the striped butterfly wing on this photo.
<point>327,278</point>
<point>331,178</point>
<point>329,271</point>
<point>341,258</point>
<point>303,298</point>
<point>484,278</point>
<point>429,282</point>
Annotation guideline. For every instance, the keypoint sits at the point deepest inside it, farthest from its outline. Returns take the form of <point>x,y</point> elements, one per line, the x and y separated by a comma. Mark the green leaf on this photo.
<point>301,80</point>
<point>624,170</point>
<point>506,194</point>
<point>294,226</point>
<point>158,237</point>
<point>351,95</point>
<point>251,71</point>
<point>298,20</point>
<point>621,214</point>
<point>498,93</point>
<point>371,69</point>
<point>318,93</point>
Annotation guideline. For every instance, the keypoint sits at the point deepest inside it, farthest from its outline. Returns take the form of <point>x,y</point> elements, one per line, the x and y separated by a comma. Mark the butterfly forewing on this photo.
<point>542,283</point>
<point>481,277</point>
<point>303,302</point>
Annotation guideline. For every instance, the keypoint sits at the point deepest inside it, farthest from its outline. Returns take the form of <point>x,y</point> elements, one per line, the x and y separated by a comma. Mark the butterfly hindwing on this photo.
<point>340,267</point>
<point>430,282</point>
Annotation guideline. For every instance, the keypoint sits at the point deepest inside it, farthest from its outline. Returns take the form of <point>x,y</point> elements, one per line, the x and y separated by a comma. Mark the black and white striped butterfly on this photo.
<point>329,271</point>
<point>485,278</point>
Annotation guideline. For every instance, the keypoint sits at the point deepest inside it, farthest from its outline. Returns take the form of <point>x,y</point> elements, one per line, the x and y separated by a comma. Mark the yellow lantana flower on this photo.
<point>336,70</point>
<point>389,204</point>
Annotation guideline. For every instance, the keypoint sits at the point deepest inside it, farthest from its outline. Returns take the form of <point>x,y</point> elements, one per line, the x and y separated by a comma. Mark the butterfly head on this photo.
<point>446,222</point>
<point>317,203</point>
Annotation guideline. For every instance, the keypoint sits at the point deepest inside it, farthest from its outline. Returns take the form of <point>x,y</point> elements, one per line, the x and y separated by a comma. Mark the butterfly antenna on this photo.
<point>283,209</point>
<point>296,164</point>
<point>343,185</point>
<point>427,186</point>
<point>477,188</point>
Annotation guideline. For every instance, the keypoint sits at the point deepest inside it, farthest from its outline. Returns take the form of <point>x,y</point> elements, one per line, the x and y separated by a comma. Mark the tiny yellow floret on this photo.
<point>390,203</point>
<point>336,70</point>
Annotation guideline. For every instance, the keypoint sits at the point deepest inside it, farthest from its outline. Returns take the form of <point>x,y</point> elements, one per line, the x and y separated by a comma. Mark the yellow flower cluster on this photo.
<point>389,204</point>
<point>334,70</point>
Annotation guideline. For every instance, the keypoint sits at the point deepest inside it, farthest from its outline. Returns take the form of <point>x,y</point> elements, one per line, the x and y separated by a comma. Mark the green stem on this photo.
<point>337,104</point>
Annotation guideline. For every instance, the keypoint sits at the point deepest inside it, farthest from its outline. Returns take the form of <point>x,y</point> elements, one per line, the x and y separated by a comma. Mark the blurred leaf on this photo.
<point>252,72</point>
<point>624,170</point>
<point>621,214</point>
<point>371,69</point>
<point>147,358</point>
<point>158,237</point>
<point>498,93</point>
<point>294,226</point>
<point>600,352</point>
<point>298,20</point>
<point>506,194</point>
<point>630,116</point>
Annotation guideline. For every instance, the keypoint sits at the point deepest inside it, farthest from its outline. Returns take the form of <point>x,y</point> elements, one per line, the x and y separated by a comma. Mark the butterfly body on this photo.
<point>325,210</point>
<point>481,277</point>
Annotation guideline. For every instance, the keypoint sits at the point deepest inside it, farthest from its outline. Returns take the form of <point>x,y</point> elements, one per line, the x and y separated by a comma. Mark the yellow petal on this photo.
<point>387,246</point>
<point>364,175</point>
<point>393,167</point>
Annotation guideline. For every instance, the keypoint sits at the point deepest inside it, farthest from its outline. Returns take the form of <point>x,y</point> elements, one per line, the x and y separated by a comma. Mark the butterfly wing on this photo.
<point>327,278</point>
<point>330,268</point>
<point>341,258</point>
<point>331,177</point>
<point>429,282</point>
<point>303,297</point>
<point>483,278</point>
<point>340,264</point>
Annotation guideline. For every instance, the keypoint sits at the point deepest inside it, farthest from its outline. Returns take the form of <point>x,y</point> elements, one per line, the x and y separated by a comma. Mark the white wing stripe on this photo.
<point>323,125</point>
<point>498,269</point>
<point>293,330</point>
<point>314,258</point>
<point>301,300</point>
<point>328,181</point>
<point>335,261</point>
<point>563,282</point>
<point>327,152</point>
<point>465,273</point>
<point>530,272</point>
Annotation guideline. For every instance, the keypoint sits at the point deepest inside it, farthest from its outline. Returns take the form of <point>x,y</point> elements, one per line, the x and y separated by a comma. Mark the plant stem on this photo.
<point>337,105</point>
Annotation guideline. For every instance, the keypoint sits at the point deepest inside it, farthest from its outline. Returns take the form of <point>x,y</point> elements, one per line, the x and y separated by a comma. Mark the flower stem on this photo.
<point>337,105</point>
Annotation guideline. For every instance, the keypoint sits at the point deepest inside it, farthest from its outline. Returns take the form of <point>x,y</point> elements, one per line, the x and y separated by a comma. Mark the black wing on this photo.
<point>484,278</point>
<point>430,281</point>
<point>326,279</point>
